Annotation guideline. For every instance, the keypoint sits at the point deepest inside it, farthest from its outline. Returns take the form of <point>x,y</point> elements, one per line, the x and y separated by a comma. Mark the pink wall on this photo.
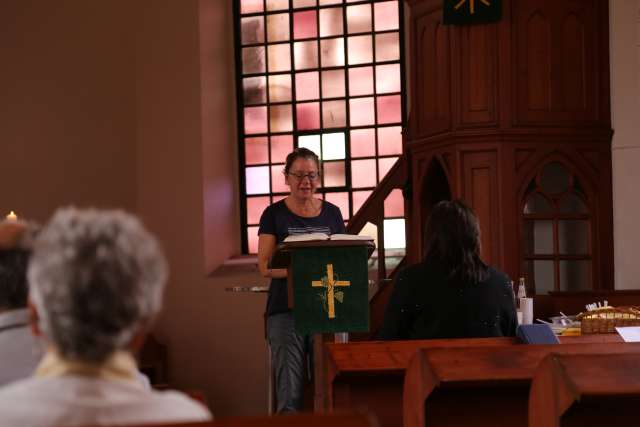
<point>67,106</point>
<point>131,104</point>
<point>187,194</point>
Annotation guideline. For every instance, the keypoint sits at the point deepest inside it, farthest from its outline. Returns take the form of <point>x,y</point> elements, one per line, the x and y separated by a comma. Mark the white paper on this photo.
<point>629,333</point>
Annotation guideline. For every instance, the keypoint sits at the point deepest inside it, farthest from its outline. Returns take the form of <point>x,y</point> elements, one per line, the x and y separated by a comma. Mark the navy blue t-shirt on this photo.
<point>279,221</point>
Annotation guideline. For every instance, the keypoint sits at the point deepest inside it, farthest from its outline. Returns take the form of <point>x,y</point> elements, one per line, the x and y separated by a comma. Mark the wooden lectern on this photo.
<point>327,284</point>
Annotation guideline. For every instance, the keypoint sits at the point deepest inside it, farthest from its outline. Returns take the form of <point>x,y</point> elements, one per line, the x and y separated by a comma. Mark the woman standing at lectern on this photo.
<point>299,213</point>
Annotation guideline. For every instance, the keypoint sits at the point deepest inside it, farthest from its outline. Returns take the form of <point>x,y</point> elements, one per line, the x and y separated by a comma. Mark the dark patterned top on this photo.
<point>279,221</point>
<point>425,305</point>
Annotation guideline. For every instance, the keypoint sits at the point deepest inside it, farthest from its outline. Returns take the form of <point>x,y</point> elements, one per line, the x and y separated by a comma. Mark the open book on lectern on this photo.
<point>322,236</point>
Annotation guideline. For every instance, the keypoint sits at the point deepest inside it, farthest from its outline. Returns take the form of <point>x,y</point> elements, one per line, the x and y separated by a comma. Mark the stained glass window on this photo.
<point>326,75</point>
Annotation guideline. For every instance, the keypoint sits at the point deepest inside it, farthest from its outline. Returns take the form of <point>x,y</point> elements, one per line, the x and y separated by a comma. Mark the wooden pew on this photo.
<point>580,390</point>
<point>301,420</point>
<point>481,386</point>
<point>369,375</point>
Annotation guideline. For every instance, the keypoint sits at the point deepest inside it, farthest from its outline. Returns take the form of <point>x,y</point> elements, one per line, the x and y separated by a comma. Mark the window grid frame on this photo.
<point>292,72</point>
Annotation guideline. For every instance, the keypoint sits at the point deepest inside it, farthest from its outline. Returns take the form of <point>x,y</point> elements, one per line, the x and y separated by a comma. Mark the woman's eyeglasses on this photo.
<point>300,176</point>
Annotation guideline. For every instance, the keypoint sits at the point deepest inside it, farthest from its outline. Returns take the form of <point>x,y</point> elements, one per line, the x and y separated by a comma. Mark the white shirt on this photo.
<point>75,394</point>
<point>20,351</point>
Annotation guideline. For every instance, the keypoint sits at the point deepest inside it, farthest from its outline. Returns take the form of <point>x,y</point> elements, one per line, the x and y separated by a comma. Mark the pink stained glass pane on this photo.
<point>279,57</point>
<point>305,54</point>
<point>333,85</point>
<point>394,204</point>
<point>334,114</point>
<point>388,78</point>
<point>252,238</point>
<point>389,140</point>
<point>360,49</point>
<point>280,119</point>
<point>386,16</point>
<point>280,87</point>
<point>384,165</point>
<point>341,200</point>
<point>363,143</point>
<point>257,180</point>
<point>362,173</point>
<point>253,60</point>
<point>277,4</point>
<point>325,2</point>
<point>389,109</point>
<point>256,150</point>
<point>308,115</point>
<point>360,81</point>
<point>307,86</point>
<point>359,197</point>
<point>278,27</point>
<point>359,19</point>
<point>251,6</point>
<point>303,3</point>
<point>331,22</point>
<point>277,179</point>
<point>305,25</point>
<point>278,197</point>
<point>332,52</point>
<point>361,112</point>
<point>333,173</point>
<point>255,207</point>
<point>254,90</point>
<point>281,145</point>
<point>255,120</point>
<point>387,47</point>
<point>252,30</point>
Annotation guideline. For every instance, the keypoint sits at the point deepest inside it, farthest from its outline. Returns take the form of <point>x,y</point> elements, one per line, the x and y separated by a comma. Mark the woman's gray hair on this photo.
<point>95,278</point>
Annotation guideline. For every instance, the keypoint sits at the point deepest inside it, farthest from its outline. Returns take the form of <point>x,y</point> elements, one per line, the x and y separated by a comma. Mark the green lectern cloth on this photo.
<point>462,12</point>
<point>330,287</point>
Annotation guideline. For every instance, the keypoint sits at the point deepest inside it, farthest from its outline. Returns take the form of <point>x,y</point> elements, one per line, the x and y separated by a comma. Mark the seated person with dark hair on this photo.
<point>96,280</point>
<point>452,293</point>
<point>20,351</point>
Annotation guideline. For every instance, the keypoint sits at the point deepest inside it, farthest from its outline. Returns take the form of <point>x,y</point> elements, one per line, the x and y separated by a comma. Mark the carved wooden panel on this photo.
<point>555,48</point>
<point>432,74</point>
<point>478,76</point>
<point>480,190</point>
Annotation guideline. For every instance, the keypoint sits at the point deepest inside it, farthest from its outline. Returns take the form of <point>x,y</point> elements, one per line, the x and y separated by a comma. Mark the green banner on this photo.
<point>330,289</point>
<point>464,12</point>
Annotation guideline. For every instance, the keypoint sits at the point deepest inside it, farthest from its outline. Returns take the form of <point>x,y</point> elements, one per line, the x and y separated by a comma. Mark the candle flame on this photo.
<point>12,216</point>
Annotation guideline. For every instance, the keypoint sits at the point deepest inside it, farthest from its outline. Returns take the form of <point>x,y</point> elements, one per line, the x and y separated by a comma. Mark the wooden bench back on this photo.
<point>594,389</point>
<point>484,373</point>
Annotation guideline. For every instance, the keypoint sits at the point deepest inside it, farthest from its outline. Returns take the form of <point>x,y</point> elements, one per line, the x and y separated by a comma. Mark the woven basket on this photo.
<point>605,320</point>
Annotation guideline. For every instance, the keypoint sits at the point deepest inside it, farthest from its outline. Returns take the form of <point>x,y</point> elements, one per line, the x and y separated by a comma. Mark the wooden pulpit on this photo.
<point>327,284</point>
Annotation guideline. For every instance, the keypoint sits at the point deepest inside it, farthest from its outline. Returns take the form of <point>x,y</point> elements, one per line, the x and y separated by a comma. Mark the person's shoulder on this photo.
<point>497,277</point>
<point>180,405</point>
<point>330,207</point>
<point>412,274</point>
<point>275,207</point>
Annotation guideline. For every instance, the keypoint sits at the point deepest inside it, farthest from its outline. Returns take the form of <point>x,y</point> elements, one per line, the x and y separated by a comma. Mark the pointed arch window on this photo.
<point>557,250</point>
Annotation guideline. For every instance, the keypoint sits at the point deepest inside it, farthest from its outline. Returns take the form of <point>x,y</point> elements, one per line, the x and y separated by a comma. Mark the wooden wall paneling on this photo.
<point>430,186</point>
<point>476,61</point>
<point>509,215</point>
<point>556,47</point>
<point>480,189</point>
<point>431,71</point>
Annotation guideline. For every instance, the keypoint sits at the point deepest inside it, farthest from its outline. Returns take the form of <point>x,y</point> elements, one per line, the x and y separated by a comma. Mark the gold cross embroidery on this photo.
<point>331,283</point>
<point>472,5</point>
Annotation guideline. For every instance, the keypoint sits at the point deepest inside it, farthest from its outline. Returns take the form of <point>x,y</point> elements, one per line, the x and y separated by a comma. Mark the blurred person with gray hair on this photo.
<point>20,350</point>
<point>96,282</point>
